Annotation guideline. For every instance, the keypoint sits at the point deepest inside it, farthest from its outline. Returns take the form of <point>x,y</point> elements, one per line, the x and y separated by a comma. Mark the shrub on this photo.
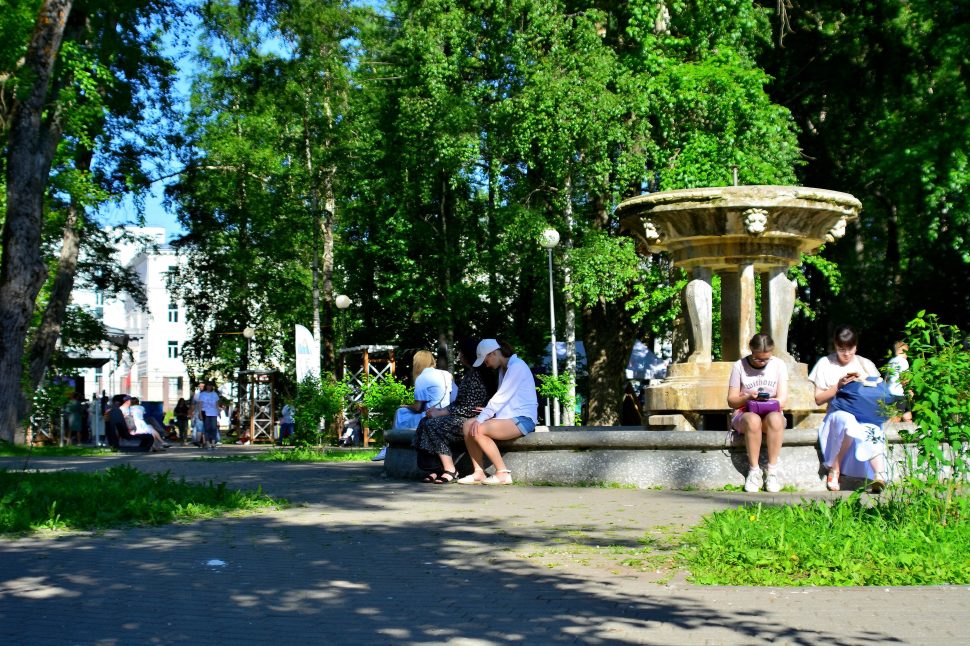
<point>938,381</point>
<point>382,398</point>
<point>316,400</point>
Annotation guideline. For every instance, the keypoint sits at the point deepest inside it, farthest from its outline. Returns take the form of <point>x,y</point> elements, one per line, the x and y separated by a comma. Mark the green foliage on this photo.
<point>17,450</point>
<point>48,407</point>
<point>382,398</point>
<point>603,267</point>
<point>916,539</point>
<point>939,382</point>
<point>558,388</point>
<point>302,454</point>
<point>317,400</point>
<point>118,496</point>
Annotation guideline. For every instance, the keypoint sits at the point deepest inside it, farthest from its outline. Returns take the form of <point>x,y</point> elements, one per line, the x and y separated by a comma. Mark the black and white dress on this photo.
<point>437,434</point>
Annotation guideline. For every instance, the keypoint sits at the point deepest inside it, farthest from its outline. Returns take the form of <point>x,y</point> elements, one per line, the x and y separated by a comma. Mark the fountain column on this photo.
<point>777,306</point>
<point>699,299</point>
<point>738,321</point>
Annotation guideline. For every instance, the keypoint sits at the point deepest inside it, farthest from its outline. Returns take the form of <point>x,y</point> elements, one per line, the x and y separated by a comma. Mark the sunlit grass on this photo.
<point>19,450</point>
<point>914,536</point>
<point>301,454</point>
<point>122,495</point>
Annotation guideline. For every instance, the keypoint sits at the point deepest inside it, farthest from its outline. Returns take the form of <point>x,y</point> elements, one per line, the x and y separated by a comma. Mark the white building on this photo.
<point>153,371</point>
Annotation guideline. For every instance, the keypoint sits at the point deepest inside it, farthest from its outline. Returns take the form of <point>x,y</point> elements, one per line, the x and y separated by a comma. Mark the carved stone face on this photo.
<point>755,221</point>
<point>837,231</point>
<point>650,231</point>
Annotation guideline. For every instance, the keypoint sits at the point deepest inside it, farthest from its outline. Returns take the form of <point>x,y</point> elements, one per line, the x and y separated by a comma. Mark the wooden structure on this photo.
<point>259,406</point>
<point>364,363</point>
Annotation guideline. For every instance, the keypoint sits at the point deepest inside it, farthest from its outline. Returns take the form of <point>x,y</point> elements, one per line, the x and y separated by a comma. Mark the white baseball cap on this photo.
<point>485,346</point>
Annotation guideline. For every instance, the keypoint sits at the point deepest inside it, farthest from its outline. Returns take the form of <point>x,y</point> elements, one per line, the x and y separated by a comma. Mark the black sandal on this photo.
<point>430,478</point>
<point>452,476</point>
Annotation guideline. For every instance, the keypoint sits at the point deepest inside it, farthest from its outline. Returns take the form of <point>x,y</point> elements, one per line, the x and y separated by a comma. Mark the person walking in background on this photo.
<point>287,421</point>
<point>181,413</point>
<point>75,417</point>
<point>207,406</point>
<point>758,391</point>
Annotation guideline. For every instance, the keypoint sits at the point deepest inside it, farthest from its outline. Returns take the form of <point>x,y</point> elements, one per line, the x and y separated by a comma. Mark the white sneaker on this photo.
<point>753,482</point>
<point>772,483</point>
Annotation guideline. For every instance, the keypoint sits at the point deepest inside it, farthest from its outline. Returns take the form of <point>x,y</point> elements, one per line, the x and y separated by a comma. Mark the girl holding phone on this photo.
<point>758,391</point>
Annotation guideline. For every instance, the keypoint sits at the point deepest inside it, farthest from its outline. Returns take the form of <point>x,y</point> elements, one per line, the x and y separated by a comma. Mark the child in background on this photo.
<point>896,367</point>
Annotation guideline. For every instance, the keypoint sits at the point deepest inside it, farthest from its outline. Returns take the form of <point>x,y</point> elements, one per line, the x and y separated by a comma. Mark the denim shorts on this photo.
<point>525,424</point>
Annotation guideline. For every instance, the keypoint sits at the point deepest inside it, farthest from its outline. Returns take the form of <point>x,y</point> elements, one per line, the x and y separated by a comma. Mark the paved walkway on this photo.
<point>359,559</point>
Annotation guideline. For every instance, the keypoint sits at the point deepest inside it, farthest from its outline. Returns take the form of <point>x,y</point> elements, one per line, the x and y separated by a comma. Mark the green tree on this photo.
<point>879,90</point>
<point>74,75</point>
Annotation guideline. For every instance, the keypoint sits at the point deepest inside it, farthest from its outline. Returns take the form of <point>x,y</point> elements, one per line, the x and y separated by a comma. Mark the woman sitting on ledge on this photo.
<point>841,427</point>
<point>758,389</point>
<point>442,427</point>
<point>511,413</point>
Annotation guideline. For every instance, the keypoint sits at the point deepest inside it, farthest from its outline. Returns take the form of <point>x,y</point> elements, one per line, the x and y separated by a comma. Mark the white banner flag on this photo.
<point>307,354</point>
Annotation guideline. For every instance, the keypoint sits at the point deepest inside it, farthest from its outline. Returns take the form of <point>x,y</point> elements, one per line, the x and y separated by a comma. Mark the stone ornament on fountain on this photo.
<point>650,232</point>
<point>837,231</point>
<point>755,221</point>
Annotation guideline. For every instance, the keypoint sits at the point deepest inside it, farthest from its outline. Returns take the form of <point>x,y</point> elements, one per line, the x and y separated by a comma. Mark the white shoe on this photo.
<point>754,481</point>
<point>772,483</point>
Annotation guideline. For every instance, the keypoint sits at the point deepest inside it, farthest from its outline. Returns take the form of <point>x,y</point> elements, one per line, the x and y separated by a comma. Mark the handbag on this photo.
<point>762,408</point>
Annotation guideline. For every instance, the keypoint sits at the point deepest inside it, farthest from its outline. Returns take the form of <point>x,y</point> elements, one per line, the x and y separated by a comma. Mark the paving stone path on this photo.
<point>360,559</point>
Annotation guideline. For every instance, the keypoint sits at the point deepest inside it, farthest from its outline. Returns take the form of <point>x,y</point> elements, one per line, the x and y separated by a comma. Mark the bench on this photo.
<point>645,459</point>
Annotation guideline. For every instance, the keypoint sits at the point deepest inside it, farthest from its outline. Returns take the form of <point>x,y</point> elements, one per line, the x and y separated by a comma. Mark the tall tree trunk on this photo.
<point>45,338</point>
<point>569,308</point>
<point>609,336</point>
<point>30,149</point>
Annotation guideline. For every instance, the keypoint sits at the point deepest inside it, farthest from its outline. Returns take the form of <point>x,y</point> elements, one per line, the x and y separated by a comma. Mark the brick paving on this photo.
<point>358,558</point>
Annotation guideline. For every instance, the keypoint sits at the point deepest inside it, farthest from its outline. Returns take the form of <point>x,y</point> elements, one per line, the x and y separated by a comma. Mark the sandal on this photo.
<point>430,478</point>
<point>879,483</point>
<point>470,479</point>
<point>447,477</point>
<point>832,480</point>
<point>495,480</point>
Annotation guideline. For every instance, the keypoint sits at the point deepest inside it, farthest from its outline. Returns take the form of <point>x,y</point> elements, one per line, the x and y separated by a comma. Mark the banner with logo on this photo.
<point>307,354</point>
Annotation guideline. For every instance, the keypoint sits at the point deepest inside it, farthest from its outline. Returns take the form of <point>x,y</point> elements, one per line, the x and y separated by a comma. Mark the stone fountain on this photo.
<point>738,233</point>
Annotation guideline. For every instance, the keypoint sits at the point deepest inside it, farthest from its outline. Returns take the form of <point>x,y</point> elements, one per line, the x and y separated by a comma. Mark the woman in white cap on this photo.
<point>511,412</point>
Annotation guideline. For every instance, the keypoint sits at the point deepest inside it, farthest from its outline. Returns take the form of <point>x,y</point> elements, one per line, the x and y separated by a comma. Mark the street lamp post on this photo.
<point>549,240</point>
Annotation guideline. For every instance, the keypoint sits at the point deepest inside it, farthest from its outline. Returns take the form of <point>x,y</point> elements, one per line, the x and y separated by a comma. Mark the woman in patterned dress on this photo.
<point>441,427</point>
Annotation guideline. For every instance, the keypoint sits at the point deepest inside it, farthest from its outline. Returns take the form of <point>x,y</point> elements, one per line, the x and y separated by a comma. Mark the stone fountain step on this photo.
<point>641,458</point>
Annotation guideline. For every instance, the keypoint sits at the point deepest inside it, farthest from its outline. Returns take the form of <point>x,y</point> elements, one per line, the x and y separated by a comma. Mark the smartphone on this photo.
<point>762,395</point>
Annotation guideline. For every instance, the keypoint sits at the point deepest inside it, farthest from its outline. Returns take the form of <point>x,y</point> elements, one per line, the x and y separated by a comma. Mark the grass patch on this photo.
<point>301,454</point>
<point>122,495</point>
<point>914,536</point>
<point>21,451</point>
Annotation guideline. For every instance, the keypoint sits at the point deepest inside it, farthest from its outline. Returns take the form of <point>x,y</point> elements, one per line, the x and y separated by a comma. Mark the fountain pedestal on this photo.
<point>740,233</point>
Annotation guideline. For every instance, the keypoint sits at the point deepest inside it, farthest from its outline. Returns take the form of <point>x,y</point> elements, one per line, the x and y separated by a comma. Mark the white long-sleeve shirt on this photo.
<point>516,396</point>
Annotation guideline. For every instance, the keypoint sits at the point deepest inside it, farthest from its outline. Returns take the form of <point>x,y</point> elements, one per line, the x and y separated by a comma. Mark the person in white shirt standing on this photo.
<point>207,405</point>
<point>511,413</point>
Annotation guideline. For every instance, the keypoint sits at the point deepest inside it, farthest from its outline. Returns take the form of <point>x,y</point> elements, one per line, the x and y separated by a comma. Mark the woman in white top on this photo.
<point>511,412</point>
<point>831,373</point>
<point>763,379</point>
<point>432,388</point>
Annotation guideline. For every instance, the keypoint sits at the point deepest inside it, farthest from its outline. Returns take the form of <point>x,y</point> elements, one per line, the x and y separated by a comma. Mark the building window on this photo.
<point>174,388</point>
<point>173,313</point>
<point>173,349</point>
<point>99,297</point>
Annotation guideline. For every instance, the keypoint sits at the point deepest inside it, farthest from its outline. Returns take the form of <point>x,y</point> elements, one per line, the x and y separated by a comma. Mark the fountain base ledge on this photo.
<point>632,456</point>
